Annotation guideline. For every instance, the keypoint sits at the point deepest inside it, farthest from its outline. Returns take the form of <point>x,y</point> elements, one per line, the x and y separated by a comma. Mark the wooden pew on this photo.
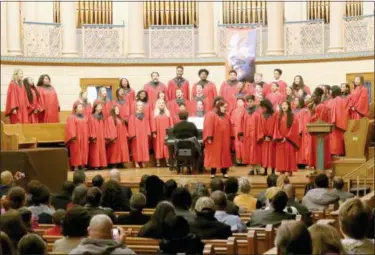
<point>246,242</point>
<point>264,238</point>
<point>271,251</point>
<point>13,138</point>
<point>208,250</point>
<point>50,241</point>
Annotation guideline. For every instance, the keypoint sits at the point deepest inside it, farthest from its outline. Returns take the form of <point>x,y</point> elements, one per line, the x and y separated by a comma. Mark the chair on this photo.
<point>186,156</point>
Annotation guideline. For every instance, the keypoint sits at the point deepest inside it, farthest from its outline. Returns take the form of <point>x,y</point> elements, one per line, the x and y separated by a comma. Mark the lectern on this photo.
<point>319,129</point>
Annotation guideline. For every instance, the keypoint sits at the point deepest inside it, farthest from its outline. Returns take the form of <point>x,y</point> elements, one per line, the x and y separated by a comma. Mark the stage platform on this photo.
<point>131,177</point>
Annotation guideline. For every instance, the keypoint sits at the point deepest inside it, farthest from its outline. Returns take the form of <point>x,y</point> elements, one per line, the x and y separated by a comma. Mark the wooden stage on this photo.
<point>132,176</point>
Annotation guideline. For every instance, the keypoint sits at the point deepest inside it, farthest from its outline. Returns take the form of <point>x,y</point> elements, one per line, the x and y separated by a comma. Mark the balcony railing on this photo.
<point>359,33</point>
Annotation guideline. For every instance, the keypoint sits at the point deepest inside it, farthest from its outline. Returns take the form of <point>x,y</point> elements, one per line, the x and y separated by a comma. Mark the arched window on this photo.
<point>238,12</point>
<point>170,13</point>
<point>320,9</point>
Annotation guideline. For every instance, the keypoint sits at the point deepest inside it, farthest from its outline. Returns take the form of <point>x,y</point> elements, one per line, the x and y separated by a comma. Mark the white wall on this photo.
<point>295,10</point>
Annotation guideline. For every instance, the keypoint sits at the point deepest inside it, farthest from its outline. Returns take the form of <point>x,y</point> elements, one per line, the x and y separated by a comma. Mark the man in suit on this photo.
<point>114,175</point>
<point>135,216</point>
<point>184,129</point>
<point>338,186</point>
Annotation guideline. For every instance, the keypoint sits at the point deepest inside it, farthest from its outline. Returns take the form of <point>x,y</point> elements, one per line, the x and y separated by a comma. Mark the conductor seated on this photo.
<point>184,129</point>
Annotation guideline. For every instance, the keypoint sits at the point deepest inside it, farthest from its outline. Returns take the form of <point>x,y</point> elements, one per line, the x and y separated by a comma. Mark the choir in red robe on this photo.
<point>235,119</point>
<point>282,84</point>
<point>34,107</point>
<point>87,108</point>
<point>77,137</point>
<point>267,144</point>
<point>123,104</point>
<point>178,83</point>
<point>129,92</point>
<point>208,104</point>
<point>153,87</point>
<point>358,100</point>
<point>174,105</point>
<point>275,97</point>
<point>300,89</point>
<point>197,108</point>
<point>209,88</point>
<point>302,114</point>
<point>97,125</point>
<point>104,101</point>
<point>49,101</point>
<point>229,89</point>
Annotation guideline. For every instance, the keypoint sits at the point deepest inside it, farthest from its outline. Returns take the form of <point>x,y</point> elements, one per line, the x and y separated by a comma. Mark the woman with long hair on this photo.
<point>16,103</point>
<point>49,100</point>
<point>235,119</point>
<point>300,89</point>
<point>142,96</point>
<point>97,155</point>
<point>267,144</point>
<point>358,99</point>
<point>129,92</point>
<point>289,94</point>
<point>123,104</point>
<point>160,122</point>
<point>104,100</point>
<point>83,100</point>
<point>326,240</point>
<point>301,113</point>
<point>33,97</point>
<point>113,197</point>
<point>287,140</point>
<point>345,90</point>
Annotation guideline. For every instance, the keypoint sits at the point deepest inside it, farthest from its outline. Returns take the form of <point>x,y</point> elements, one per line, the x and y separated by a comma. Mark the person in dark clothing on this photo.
<point>97,181</point>
<point>205,224</point>
<point>218,184</point>
<point>231,188</point>
<point>26,217</point>
<point>181,199</point>
<point>135,217</point>
<point>302,210</point>
<point>61,200</point>
<point>94,198</point>
<point>169,187</point>
<point>262,200</point>
<point>113,197</point>
<point>154,191</point>
<point>178,239</point>
<point>11,224</point>
<point>184,129</point>
<point>40,205</point>
<point>79,177</point>
<point>142,184</point>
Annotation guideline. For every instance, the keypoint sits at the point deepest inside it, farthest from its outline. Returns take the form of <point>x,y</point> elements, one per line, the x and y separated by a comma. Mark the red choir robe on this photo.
<point>139,133</point>
<point>250,90</point>
<point>17,100</point>
<point>305,88</point>
<point>209,90</point>
<point>124,108</point>
<point>159,125</point>
<point>282,86</point>
<point>266,89</point>
<point>217,154</point>
<point>207,103</point>
<point>97,130</point>
<point>228,90</point>
<point>268,147</point>
<point>339,118</point>
<point>175,84</point>
<point>286,151</point>
<point>77,139</point>
<point>303,117</point>
<point>252,131</point>
<point>235,120</point>
<point>322,112</point>
<point>152,91</point>
<point>50,105</point>
<point>130,95</point>
<point>117,141</point>
<point>276,98</point>
<point>107,106</point>
<point>173,106</point>
<point>87,108</point>
<point>358,99</point>
<point>34,106</point>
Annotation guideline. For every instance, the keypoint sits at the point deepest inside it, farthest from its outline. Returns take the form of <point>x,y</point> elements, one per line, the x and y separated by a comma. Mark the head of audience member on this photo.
<point>338,183</point>
<point>169,187</point>
<point>32,244</point>
<point>40,196</point>
<point>325,239</point>
<point>142,183</point>
<point>16,197</point>
<point>290,191</point>
<point>175,227</point>
<point>181,198</point>
<point>97,181</point>
<point>58,217</point>
<point>279,201</point>
<point>354,218</point>
<point>282,180</point>
<point>183,115</point>
<point>321,181</point>
<point>26,217</point>
<point>100,227</point>
<point>11,224</point>
<point>293,237</point>
<point>6,244</point>
<point>114,175</point>
<point>231,186</point>
<point>216,184</point>
<point>68,188</point>
<point>244,185</point>
<point>162,211</point>
<point>220,200</point>
<point>205,207</point>
<point>6,178</point>
<point>199,191</point>
<point>79,195</point>
<point>113,196</point>
<point>75,222</point>
<point>271,180</point>
<point>94,196</point>
<point>137,202</point>
<point>31,188</point>
<point>79,177</point>
<point>154,191</point>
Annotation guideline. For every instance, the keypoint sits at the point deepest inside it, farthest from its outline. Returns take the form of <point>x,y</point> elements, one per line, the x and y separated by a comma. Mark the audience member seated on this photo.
<point>26,217</point>
<point>57,219</point>
<point>200,190</point>
<point>319,198</point>
<point>40,205</point>
<point>94,198</point>
<point>32,244</point>
<point>97,181</point>
<point>354,218</point>
<point>101,239</point>
<point>338,186</point>
<point>218,184</point>
<point>6,244</point>
<point>32,186</point>
<point>12,225</point>
<point>294,205</point>
<point>6,182</point>
<point>169,187</point>
<point>325,240</point>
<point>244,200</point>
<point>79,196</point>
<point>274,215</point>
<point>178,239</point>
<point>79,177</point>
<point>184,129</point>
<point>154,188</point>
<point>135,216</point>
<point>115,175</point>
<point>292,237</point>
<point>181,199</point>
<point>142,184</point>
<point>371,229</point>
<point>309,185</point>
<point>74,229</point>
<point>234,221</point>
<point>231,188</point>
<point>113,197</point>
<point>205,224</point>
<point>61,200</point>
<point>282,180</point>
<point>154,227</point>
<point>271,182</point>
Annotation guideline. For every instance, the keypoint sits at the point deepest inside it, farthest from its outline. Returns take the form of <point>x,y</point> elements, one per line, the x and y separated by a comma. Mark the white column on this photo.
<point>336,26</point>
<point>14,28</point>
<point>135,30</point>
<point>295,10</point>
<point>368,8</point>
<point>275,19</point>
<point>206,46</point>
<point>68,26</point>
<point>29,11</point>
<point>4,35</point>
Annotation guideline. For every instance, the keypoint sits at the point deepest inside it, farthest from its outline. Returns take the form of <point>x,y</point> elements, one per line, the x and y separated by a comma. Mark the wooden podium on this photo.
<point>320,129</point>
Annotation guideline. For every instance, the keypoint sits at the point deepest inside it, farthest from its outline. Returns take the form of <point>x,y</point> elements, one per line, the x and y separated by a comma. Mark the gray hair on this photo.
<point>114,175</point>
<point>244,185</point>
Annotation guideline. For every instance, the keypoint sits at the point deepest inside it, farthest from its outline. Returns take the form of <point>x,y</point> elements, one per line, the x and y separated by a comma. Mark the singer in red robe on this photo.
<point>178,83</point>
<point>268,146</point>
<point>33,97</point>
<point>235,120</point>
<point>275,97</point>
<point>153,87</point>
<point>282,84</point>
<point>104,101</point>
<point>208,104</point>
<point>142,96</point>
<point>97,125</point>
<point>116,137</point>
<point>209,88</point>
<point>123,104</point>
<point>197,108</point>
<point>87,108</point>
<point>77,137</point>
<point>129,92</point>
<point>302,114</point>
<point>300,89</point>
<point>339,118</point>
<point>217,140</point>
<point>287,140</point>
<point>229,89</point>
<point>139,133</point>
<point>49,101</point>
<point>174,105</point>
<point>358,100</point>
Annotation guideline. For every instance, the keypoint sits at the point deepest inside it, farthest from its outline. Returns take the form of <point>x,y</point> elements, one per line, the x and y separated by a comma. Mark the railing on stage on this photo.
<point>359,33</point>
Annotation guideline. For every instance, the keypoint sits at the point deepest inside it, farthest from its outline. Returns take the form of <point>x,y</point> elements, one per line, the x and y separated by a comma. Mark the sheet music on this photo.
<point>198,121</point>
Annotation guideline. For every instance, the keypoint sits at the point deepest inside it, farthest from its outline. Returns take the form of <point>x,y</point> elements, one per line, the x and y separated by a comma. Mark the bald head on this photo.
<point>289,190</point>
<point>100,227</point>
<point>6,178</point>
<point>114,175</point>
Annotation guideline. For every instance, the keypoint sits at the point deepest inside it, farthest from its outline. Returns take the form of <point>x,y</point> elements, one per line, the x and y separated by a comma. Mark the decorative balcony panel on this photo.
<point>359,33</point>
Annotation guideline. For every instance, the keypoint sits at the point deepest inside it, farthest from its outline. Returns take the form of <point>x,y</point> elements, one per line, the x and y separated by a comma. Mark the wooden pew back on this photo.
<point>264,238</point>
<point>13,138</point>
<point>246,242</point>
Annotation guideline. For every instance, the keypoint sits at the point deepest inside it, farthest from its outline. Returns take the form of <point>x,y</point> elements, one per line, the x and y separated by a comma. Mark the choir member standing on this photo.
<point>251,134</point>
<point>129,92</point>
<point>34,107</point>
<point>339,118</point>
<point>142,96</point>
<point>258,79</point>
<point>235,119</point>
<point>197,109</point>
<point>201,97</point>
<point>209,88</point>
<point>97,125</point>
<point>139,134</point>
<point>16,104</point>
<point>104,100</point>
<point>174,104</point>
<point>282,84</point>
<point>160,122</point>
<point>289,94</point>
<point>326,92</point>
<point>358,99</point>
<point>178,83</point>
<point>116,137</point>
<point>87,108</point>
<point>217,140</point>
<point>267,144</point>
<point>345,90</point>
<point>49,101</point>
<point>77,137</point>
<point>275,97</point>
<point>160,96</point>
<point>153,87</point>
<point>300,89</point>
<point>229,89</point>
<point>302,114</point>
<point>287,140</point>
<point>123,104</point>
